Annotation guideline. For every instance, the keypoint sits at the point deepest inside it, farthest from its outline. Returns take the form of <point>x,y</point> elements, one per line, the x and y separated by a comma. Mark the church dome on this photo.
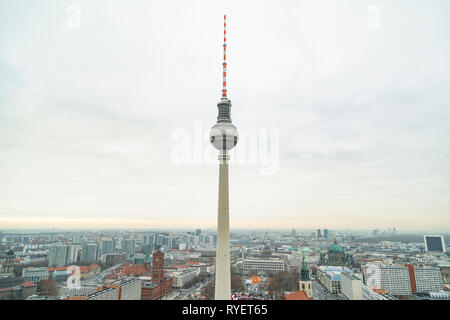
<point>335,248</point>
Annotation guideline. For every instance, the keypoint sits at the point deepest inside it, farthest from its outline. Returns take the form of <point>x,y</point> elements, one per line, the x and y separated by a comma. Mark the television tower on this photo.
<point>223,136</point>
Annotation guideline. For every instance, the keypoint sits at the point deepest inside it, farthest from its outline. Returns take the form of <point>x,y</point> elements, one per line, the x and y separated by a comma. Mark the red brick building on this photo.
<point>158,267</point>
<point>153,291</point>
<point>158,286</point>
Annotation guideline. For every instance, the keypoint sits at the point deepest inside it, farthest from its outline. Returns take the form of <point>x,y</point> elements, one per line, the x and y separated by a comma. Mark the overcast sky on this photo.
<point>359,92</point>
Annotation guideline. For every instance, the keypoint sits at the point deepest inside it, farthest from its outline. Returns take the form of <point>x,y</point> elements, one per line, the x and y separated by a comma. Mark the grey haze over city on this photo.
<point>88,113</point>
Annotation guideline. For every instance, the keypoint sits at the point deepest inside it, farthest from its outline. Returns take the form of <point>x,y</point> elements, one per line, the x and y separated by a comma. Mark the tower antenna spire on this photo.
<point>224,88</point>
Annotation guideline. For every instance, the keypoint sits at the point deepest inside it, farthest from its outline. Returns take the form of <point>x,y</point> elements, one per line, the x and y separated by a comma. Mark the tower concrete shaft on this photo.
<point>223,277</point>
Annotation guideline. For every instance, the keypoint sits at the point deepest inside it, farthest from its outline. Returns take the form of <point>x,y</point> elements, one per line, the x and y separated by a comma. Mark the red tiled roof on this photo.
<point>299,295</point>
<point>111,275</point>
<point>178,266</point>
<point>133,269</point>
<point>28,284</point>
<point>86,269</point>
<point>57,269</point>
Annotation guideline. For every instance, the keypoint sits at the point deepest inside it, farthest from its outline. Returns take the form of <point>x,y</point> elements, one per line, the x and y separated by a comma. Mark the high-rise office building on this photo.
<point>403,279</point>
<point>198,232</point>
<point>434,243</point>
<point>392,278</point>
<point>149,239</point>
<point>190,241</point>
<point>168,242</point>
<point>425,278</point>
<point>61,255</point>
<point>319,234</point>
<point>326,233</point>
<point>57,256</point>
<point>72,254</point>
<point>129,247</point>
<point>90,252</point>
<point>159,239</point>
<point>108,246</point>
<point>208,239</point>
<point>149,245</point>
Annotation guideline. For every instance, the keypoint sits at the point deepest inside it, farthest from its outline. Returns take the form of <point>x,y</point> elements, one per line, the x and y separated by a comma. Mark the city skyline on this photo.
<point>119,226</point>
<point>265,265</point>
<point>87,119</point>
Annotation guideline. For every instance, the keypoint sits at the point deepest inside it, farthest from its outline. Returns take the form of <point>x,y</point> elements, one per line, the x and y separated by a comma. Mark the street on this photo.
<point>184,293</point>
<point>98,278</point>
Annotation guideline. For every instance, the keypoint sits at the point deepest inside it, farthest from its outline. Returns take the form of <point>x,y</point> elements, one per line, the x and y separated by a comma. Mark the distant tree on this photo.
<point>84,263</point>
<point>47,287</point>
<point>18,270</point>
<point>193,282</point>
<point>283,281</point>
<point>236,285</point>
<point>208,290</point>
<point>236,282</point>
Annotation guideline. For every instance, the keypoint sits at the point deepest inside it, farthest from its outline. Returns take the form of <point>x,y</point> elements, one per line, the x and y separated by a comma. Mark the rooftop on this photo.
<point>28,284</point>
<point>334,268</point>
<point>335,248</point>
<point>350,276</point>
<point>298,295</point>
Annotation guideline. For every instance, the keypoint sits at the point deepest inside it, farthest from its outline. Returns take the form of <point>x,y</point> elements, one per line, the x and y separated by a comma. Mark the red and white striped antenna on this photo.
<point>224,89</point>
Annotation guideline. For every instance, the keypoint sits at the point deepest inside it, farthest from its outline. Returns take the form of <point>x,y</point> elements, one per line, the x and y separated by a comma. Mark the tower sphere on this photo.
<point>223,136</point>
